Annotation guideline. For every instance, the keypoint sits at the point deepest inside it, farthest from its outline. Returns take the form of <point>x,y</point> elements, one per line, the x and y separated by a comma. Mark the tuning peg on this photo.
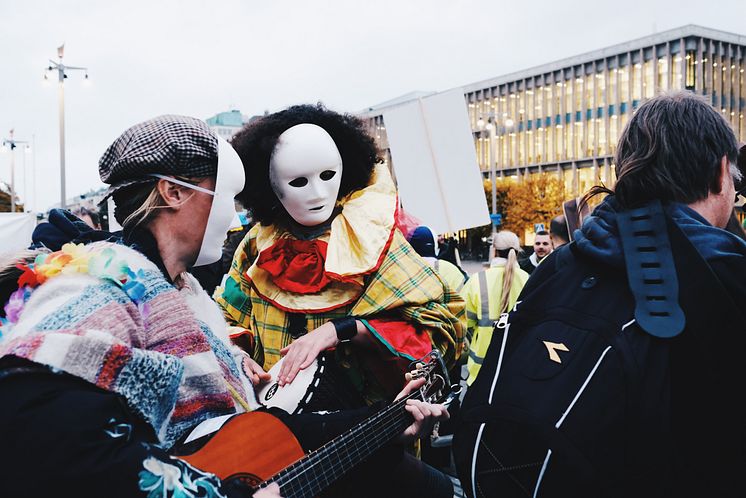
<point>408,376</point>
<point>420,366</point>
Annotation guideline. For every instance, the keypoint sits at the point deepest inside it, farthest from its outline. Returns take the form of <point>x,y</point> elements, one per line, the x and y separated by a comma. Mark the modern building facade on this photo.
<point>565,117</point>
<point>226,124</point>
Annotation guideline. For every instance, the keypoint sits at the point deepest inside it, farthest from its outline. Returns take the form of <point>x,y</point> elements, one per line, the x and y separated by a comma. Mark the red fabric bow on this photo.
<point>296,265</point>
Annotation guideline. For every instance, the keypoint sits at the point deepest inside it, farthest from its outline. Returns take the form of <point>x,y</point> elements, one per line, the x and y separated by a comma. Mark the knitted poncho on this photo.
<point>105,313</point>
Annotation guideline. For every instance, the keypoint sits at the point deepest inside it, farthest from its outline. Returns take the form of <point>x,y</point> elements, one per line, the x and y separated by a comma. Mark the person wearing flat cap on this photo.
<point>110,351</point>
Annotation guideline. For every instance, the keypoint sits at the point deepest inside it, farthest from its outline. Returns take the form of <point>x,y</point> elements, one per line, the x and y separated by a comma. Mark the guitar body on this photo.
<point>259,449</point>
<point>252,447</point>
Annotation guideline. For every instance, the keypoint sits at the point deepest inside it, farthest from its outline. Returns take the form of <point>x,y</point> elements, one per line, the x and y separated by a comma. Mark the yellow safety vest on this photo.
<point>482,294</point>
<point>450,274</point>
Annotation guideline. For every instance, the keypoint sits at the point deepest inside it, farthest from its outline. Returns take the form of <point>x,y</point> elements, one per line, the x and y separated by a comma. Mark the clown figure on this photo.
<point>326,268</point>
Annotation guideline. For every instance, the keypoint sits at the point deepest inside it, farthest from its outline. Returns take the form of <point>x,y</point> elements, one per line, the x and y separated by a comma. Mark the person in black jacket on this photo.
<point>620,372</point>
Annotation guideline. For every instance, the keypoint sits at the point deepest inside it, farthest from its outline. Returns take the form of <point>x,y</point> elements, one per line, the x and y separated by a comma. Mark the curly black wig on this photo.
<point>257,140</point>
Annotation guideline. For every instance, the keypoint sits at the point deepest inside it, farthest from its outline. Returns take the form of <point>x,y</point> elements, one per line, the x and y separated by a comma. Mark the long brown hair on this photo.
<point>671,150</point>
<point>139,204</point>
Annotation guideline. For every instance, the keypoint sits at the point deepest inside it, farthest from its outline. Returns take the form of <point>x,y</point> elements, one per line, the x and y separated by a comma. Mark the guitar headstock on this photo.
<point>437,387</point>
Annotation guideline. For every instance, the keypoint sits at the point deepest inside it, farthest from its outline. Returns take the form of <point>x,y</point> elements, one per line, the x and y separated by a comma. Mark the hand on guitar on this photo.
<point>271,491</point>
<point>425,414</point>
<point>301,353</point>
<point>254,371</point>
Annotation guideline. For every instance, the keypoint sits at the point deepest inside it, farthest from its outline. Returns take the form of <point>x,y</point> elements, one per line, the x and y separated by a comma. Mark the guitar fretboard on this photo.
<point>319,469</point>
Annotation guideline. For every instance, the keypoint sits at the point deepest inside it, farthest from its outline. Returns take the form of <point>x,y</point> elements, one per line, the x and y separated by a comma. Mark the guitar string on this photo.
<point>358,431</point>
<point>309,480</point>
<point>360,450</point>
<point>309,485</point>
<point>347,451</point>
<point>373,420</point>
<point>351,445</point>
<point>289,483</point>
<point>346,448</point>
<point>370,422</point>
<point>359,447</point>
<point>357,452</point>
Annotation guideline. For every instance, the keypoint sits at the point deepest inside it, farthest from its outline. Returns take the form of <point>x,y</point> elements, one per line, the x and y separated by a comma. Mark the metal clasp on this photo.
<point>502,322</point>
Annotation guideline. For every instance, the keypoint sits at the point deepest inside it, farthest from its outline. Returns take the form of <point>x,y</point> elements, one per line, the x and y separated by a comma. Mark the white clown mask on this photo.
<point>228,183</point>
<point>305,171</point>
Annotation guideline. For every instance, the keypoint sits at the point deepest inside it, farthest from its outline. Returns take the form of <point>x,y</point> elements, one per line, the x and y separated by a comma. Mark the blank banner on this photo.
<point>15,231</point>
<point>433,155</point>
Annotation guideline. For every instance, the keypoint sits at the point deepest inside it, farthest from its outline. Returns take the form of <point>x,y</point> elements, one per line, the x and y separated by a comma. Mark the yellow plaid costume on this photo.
<point>393,282</point>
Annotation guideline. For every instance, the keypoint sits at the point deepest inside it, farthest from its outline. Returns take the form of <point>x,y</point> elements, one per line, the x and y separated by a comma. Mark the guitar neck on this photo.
<point>310,475</point>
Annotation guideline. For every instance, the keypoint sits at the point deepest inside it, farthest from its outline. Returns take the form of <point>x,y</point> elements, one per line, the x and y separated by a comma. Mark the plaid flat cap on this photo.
<point>166,145</point>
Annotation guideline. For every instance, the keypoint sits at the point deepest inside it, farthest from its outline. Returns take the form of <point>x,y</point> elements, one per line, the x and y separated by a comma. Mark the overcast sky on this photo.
<point>200,57</point>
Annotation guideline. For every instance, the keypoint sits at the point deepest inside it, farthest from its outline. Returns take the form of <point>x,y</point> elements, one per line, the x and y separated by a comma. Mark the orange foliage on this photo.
<point>535,199</point>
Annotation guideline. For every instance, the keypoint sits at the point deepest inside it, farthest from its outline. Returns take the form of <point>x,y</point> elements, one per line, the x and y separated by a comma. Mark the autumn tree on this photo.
<point>502,190</point>
<point>536,199</point>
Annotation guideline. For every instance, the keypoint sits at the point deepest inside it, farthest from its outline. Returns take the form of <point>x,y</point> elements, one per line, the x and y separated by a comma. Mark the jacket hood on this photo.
<point>64,227</point>
<point>599,236</point>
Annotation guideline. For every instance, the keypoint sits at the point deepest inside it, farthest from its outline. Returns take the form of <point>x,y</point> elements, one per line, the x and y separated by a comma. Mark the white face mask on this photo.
<point>305,171</point>
<point>229,182</point>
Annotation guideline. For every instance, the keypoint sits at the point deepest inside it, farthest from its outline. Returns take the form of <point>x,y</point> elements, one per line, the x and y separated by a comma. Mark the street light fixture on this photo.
<point>487,132</point>
<point>490,129</point>
<point>11,143</point>
<point>61,74</point>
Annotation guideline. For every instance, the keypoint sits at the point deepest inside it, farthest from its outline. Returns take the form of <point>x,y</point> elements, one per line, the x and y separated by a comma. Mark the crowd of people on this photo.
<point>605,363</point>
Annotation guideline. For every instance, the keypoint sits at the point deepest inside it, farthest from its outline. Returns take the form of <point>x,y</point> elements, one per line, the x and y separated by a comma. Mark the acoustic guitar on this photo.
<point>259,449</point>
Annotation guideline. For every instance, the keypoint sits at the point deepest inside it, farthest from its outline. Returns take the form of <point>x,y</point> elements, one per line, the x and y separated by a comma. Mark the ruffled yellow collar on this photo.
<point>357,241</point>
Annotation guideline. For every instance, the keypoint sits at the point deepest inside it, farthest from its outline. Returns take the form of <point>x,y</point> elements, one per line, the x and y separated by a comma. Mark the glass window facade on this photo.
<point>568,120</point>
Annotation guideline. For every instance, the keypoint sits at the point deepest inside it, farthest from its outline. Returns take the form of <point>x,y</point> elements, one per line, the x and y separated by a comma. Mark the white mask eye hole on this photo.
<point>299,182</point>
<point>327,175</point>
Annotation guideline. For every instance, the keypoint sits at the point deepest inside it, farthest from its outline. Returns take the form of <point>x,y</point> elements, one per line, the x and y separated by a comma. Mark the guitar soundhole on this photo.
<point>248,479</point>
<point>271,392</point>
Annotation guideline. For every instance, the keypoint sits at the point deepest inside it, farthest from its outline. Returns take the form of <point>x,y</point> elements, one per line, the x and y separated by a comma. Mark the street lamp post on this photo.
<point>61,68</point>
<point>493,173</point>
<point>12,143</point>
<point>489,128</point>
<point>33,170</point>
<point>26,151</point>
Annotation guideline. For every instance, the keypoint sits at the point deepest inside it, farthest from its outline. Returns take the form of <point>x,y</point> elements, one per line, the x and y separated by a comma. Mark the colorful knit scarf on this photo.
<point>128,332</point>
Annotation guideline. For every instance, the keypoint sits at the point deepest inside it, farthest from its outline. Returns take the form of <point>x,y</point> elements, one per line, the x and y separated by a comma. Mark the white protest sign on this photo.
<point>15,231</point>
<point>433,155</point>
